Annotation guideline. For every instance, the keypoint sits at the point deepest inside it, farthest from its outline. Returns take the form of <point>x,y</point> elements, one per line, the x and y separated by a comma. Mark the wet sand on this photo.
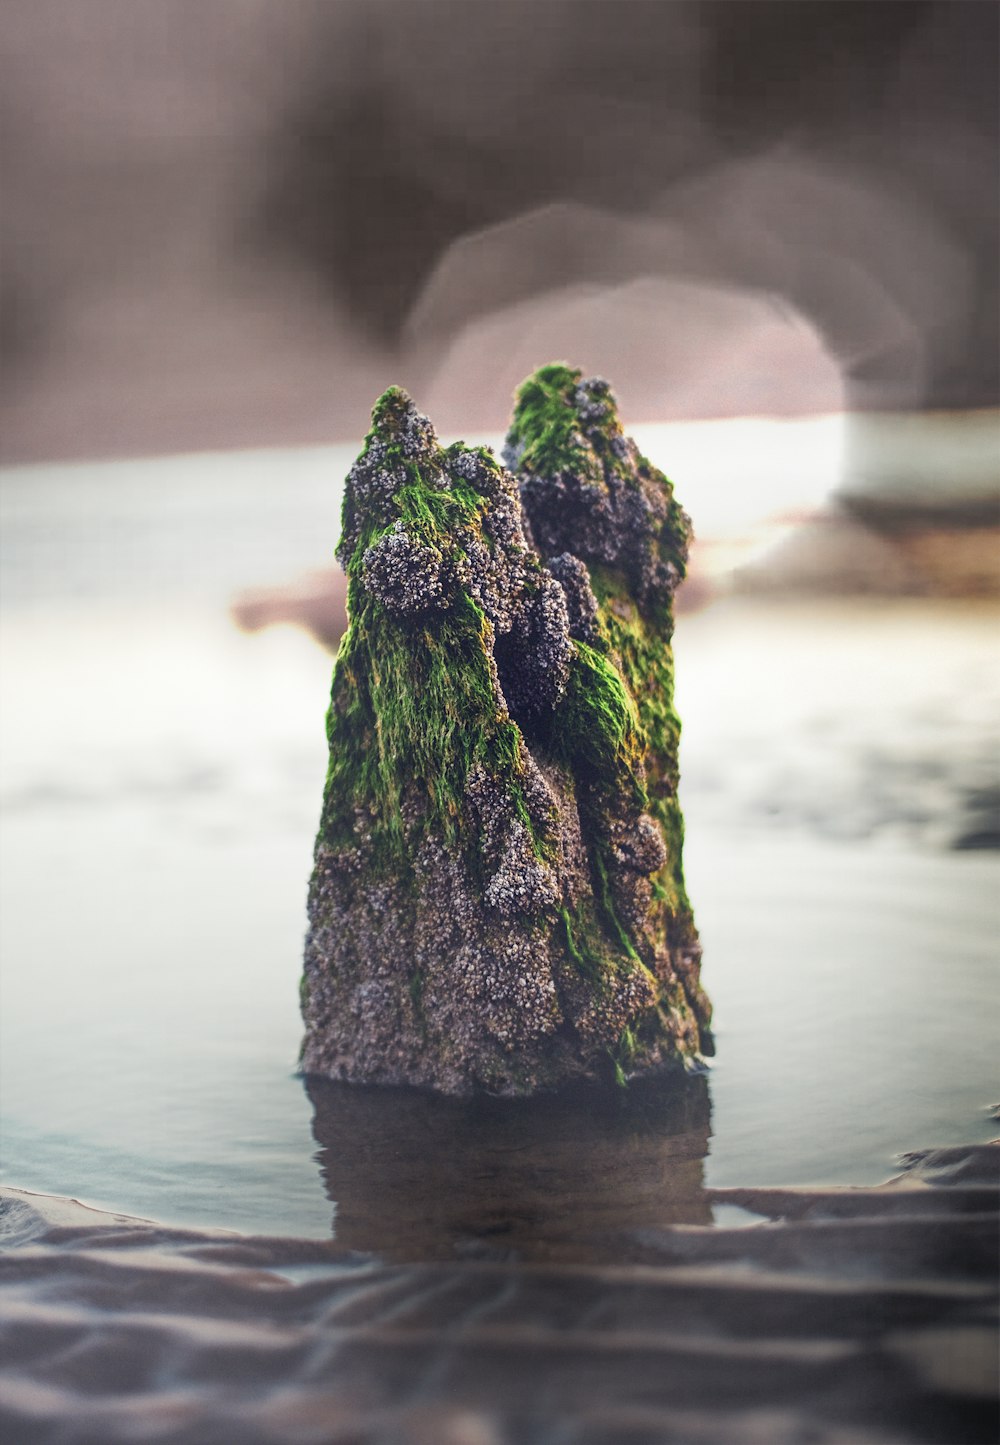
<point>837,1317</point>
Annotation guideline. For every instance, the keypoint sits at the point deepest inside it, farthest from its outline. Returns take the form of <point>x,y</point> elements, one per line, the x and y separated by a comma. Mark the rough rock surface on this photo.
<point>498,900</point>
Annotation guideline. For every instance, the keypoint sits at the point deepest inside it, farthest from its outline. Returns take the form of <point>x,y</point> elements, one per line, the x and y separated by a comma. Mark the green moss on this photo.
<point>423,698</point>
<point>562,428</point>
<point>623,1056</point>
<point>596,732</point>
<point>596,727</point>
<point>645,658</point>
<point>414,701</point>
<point>565,426</point>
<point>579,945</point>
<point>545,426</point>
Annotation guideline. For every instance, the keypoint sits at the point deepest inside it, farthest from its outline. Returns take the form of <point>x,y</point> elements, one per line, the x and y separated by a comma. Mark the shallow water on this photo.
<point>841,1317</point>
<point>161,777</point>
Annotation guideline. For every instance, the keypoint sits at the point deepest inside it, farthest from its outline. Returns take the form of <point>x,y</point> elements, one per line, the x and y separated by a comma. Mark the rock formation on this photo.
<point>498,900</point>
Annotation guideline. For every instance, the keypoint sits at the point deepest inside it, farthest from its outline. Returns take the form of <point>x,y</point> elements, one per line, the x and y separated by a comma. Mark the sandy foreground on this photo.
<point>836,1316</point>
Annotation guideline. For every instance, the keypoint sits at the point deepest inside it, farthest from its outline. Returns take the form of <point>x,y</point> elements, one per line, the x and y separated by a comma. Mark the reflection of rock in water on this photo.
<point>853,1315</point>
<point>560,1177</point>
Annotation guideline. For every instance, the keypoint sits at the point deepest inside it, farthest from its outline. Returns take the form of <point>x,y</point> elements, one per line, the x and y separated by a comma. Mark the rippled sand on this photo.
<point>836,1317</point>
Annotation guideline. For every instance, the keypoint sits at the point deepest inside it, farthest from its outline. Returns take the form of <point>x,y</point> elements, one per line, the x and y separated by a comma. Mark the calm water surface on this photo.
<point>161,777</point>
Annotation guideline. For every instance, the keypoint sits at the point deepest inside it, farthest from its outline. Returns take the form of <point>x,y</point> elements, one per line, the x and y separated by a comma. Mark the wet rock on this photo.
<point>581,604</point>
<point>405,574</point>
<point>497,901</point>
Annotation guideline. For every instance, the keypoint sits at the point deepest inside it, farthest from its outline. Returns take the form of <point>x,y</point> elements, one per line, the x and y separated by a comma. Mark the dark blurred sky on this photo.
<point>234,221</point>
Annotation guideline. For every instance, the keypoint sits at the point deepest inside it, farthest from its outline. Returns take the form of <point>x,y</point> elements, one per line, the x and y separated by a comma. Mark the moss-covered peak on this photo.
<point>545,435</point>
<point>396,422</point>
<point>588,490</point>
<point>400,462</point>
<point>392,409</point>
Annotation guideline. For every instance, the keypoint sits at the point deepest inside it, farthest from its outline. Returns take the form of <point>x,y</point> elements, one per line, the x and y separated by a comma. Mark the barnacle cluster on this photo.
<point>498,901</point>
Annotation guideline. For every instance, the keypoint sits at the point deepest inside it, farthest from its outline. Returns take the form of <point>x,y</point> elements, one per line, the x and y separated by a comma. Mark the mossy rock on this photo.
<point>498,901</point>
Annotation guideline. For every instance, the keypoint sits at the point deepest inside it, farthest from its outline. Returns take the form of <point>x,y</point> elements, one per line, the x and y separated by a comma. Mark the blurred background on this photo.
<point>227,226</point>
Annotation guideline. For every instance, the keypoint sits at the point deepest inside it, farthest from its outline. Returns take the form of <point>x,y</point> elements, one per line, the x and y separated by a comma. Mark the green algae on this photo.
<point>646,661</point>
<point>422,696</point>
<point>414,702</point>
<point>596,729</point>
<point>544,430</point>
<point>557,433</point>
